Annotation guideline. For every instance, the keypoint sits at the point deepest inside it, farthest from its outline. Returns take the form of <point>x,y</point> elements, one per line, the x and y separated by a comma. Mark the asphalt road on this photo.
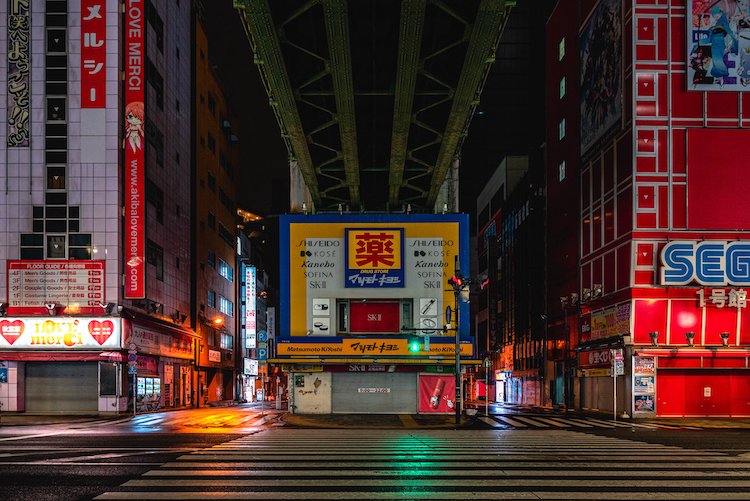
<point>236,454</point>
<point>83,464</point>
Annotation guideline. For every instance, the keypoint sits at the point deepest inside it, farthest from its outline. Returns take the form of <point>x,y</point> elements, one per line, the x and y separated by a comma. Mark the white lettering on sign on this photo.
<point>373,390</point>
<point>709,263</point>
<point>374,317</point>
<point>721,298</point>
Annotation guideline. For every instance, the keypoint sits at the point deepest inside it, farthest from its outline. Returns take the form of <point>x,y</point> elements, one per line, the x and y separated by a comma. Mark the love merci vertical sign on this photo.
<point>59,333</point>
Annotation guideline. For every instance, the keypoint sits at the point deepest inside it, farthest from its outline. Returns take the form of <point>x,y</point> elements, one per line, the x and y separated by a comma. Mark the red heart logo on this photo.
<point>11,330</point>
<point>101,331</point>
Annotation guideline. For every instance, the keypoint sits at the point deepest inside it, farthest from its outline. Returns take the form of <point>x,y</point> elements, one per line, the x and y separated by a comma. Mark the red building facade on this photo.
<point>662,224</point>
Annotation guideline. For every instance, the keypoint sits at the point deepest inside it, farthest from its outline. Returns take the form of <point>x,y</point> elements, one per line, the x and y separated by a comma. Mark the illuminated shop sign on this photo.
<point>374,258</point>
<point>707,263</point>
<point>135,177</point>
<point>59,333</point>
<point>251,324</point>
<point>93,53</point>
<point>19,74</point>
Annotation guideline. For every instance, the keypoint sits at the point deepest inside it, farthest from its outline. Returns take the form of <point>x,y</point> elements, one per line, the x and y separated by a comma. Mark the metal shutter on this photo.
<point>355,392</point>
<point>62,387</point>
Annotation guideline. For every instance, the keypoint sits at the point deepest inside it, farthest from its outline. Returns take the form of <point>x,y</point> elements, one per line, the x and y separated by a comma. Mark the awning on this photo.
<point>156,323</point>
<point>62,356</point>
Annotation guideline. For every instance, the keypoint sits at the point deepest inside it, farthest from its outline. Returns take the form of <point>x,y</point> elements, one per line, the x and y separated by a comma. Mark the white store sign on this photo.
<point>59,333</point>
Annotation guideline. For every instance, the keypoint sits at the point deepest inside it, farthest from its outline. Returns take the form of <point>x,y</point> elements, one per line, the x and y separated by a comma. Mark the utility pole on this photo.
<point>458,283</point>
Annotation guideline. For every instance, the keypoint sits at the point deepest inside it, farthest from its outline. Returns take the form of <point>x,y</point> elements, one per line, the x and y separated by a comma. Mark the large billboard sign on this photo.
<point>135,176</point>
<point>437,393</point>
<point>600,45</point>
<point>718,45</point>
<point>77,286</point>
<point>709,262</point>
<point>350,273</point>
<point>59,333</point>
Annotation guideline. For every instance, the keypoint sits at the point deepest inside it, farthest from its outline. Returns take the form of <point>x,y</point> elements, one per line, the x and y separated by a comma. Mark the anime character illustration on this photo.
<point>719,42</point>
<point>134,118</point>
<point>743,40</point>
<point>723,42</point>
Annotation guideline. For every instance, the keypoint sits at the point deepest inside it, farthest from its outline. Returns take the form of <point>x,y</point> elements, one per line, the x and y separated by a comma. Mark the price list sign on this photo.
<point>65,283</point>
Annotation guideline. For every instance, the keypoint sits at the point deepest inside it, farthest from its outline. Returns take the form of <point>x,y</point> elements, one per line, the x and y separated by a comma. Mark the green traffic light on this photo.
<point>414,345</point>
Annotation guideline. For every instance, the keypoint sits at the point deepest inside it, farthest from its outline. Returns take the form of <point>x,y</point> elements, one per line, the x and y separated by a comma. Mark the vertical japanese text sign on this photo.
<point>19,68</point>
<point>93,53</point>
<point>135,214</point>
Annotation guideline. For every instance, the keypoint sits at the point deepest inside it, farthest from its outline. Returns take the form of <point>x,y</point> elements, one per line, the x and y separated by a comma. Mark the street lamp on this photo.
<point>458,283</point>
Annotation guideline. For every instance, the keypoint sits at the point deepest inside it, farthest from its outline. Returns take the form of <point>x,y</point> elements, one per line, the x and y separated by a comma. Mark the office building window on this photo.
<point>211,298</point>
<point>561,49</point>
<point>562,129</point>
<point>562,87</point>
<point>561,170</point>
<point>225,270</point>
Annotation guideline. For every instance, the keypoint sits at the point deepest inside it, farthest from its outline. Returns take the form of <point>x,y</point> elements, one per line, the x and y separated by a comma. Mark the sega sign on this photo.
<point>707,263</point>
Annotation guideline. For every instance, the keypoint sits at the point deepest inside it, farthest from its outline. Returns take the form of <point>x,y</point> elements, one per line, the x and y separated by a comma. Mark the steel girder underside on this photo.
<point>374,97</point>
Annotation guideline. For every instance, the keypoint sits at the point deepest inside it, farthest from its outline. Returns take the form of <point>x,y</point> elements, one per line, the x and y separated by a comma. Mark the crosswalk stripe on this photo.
<point>512,422</point>
<point>490,422</point>
<point>573,422</point>
<point>531,421</point>
<point>547,464</point>
<point>553,422</point>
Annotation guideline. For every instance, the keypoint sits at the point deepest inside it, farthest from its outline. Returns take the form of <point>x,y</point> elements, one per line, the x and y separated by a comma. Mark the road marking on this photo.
<point>531,421</point>
<point>490,422</point>
<point>38,435</point>
<point>573,422</point>
<point>512,422</point>
<point>553,422</point>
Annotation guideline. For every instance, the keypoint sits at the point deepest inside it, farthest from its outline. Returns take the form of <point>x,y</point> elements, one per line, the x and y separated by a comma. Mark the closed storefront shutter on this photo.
<point>371,392</point>
<point>61,387</point>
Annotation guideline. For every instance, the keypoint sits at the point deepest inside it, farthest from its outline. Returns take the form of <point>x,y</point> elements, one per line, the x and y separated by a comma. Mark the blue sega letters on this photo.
<point>707,263</point>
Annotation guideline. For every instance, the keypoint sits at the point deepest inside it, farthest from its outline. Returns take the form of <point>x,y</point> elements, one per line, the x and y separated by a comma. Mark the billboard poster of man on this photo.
<point>601,72</point>
<point>718,45</point>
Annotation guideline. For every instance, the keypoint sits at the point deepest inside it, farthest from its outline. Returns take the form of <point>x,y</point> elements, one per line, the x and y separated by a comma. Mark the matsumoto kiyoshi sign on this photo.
<point>60,333</point>
<point>374,257</point>
<point>709,262</point>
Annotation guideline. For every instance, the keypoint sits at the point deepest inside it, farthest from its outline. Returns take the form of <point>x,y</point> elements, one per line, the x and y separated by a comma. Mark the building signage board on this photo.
<point>374,257</point>
<point>644,386</point>
<point>251,324</point>
<point>134,125</point>
<point>93,53</point>
<point>709,262</point>
<point>214,356</point>
<point>610,321</point>
<point>718,45</point>
<point>159,343</point>
<point>59,333</point>
<point>412,258</point>
<point>19,73</point>
<point>271,322</point>
<point>250,367</point>
<point>370,347</point>
<point>77,285</point>
<point>375,316</point>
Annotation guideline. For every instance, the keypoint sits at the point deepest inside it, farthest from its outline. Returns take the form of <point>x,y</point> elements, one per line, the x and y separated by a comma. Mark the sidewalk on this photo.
<point>376,421</point>
<point>703,422</point>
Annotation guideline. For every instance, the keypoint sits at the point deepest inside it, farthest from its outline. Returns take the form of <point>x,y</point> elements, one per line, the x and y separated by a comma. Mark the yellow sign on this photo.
<point>370,347</point>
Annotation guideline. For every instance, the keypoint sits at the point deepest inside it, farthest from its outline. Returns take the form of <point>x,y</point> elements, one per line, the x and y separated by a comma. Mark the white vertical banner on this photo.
<point>251,328</point>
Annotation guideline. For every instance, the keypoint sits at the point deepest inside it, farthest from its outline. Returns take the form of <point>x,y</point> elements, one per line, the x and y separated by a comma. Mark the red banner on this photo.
<point>135,217</point>
<point>437,393</point>
<point>93,54</point>
<point>373,317</point>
